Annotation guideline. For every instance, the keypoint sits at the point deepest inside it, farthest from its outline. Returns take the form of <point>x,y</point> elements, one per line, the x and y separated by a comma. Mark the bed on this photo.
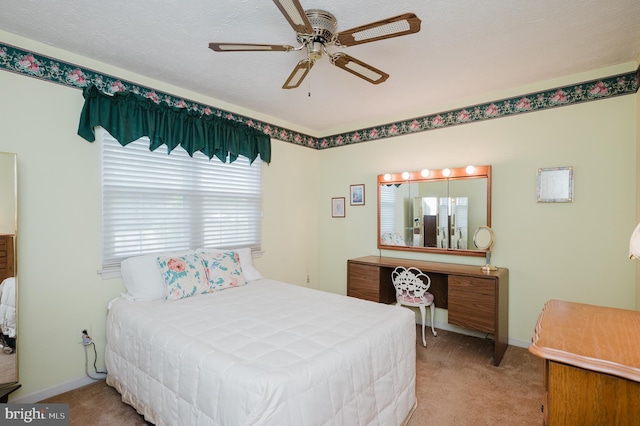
<point>257,351</point>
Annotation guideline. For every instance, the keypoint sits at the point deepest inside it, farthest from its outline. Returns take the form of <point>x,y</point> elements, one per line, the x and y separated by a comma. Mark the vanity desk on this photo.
<point>475,299</point>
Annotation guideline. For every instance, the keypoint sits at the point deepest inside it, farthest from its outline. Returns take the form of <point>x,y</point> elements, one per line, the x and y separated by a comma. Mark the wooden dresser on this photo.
<point>6,257</point>
<point>591,364</point>
<point>475,299</point>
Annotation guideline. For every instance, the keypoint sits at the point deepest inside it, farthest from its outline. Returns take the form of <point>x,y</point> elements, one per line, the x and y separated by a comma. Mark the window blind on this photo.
<point>153,202</point>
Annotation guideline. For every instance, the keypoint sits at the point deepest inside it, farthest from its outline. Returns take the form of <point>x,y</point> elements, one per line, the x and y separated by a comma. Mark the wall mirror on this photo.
<point>8,268</point>
<point>436,211</point>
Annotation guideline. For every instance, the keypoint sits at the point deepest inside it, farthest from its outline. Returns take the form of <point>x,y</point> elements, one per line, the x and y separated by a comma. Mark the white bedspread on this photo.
<point>267,353</point>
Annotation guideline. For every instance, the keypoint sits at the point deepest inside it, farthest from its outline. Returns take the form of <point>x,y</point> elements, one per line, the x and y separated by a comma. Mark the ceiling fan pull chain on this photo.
<point>309,80</point>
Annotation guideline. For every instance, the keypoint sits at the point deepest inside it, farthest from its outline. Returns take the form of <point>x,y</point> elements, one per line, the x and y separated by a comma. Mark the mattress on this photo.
<point>266,353</point>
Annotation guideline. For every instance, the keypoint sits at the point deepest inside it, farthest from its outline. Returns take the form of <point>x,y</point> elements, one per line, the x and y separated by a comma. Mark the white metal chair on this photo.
<point>411,290</point>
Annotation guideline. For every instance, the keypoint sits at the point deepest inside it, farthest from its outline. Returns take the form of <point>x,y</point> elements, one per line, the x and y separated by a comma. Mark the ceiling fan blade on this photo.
<point>299,73</point>
<point>248,47</point>
<point>397,26</point>
<point>359,68</point>
<point>293,11</point>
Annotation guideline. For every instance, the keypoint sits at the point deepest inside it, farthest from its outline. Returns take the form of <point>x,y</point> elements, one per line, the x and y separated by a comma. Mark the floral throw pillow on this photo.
<point>184,276</point>
<point>223,270</point>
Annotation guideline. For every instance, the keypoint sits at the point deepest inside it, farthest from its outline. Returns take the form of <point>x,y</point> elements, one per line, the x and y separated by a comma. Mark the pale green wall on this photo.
<point>552,251</point>
<point>59,291</point>
<point>573,251</point>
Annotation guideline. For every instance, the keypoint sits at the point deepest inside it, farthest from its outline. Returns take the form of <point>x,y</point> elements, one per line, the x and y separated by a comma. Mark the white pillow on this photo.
<point>142,276</point>
<point>246,261</point>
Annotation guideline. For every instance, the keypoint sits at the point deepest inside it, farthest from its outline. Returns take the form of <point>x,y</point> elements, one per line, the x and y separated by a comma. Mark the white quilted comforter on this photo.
<point>267,353</point>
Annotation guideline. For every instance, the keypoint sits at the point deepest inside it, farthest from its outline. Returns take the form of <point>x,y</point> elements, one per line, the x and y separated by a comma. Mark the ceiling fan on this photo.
<point>316,29</point>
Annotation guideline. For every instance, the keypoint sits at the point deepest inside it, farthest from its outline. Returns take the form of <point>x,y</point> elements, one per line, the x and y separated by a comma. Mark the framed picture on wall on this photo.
<point>357,195</point>
<point>337,207</point>
<point>555,185</point>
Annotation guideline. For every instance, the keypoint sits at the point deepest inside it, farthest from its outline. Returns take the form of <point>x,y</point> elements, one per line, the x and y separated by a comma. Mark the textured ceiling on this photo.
<point>465,49</point>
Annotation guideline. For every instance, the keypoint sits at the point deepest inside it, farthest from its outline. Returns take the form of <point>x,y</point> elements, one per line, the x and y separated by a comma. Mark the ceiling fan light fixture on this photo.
<point>315,50</point>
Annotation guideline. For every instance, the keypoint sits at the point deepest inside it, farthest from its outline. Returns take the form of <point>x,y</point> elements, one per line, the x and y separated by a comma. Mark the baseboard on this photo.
<point>38,396</point>
<point>519,343</point>
<point>460,330</point>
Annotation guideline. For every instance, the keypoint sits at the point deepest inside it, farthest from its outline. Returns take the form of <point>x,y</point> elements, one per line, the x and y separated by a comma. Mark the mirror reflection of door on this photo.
<point>8,269</point>
<point>444,222</point>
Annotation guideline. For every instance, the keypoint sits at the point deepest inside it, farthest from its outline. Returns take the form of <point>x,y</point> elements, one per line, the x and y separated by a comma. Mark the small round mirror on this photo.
<point>483,238</point>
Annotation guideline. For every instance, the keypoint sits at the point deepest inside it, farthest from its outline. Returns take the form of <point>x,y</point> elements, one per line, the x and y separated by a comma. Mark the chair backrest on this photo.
<point>408,282</point>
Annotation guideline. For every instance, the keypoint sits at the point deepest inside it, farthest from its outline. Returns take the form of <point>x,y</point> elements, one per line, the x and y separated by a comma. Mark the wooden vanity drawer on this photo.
<point>472,303</point>
<point>363,282</point>
<point>369,283</point>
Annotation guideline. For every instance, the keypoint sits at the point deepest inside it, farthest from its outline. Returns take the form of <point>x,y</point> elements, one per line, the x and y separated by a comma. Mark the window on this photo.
<point>153,202</point>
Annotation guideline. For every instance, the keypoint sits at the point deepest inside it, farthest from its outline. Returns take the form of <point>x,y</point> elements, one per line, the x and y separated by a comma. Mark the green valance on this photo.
<point>128,116</point>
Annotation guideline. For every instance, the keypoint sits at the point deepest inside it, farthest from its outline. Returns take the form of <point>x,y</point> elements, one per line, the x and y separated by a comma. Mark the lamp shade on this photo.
<point>634,244</point>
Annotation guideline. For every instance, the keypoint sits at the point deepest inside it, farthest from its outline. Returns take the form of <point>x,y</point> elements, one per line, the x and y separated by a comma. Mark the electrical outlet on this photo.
<point>86,338</point>
<point>85,331</point>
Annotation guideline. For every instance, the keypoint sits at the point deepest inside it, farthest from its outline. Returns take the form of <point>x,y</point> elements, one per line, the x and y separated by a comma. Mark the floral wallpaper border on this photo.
<point>617,85</point>
<point>34,65</point>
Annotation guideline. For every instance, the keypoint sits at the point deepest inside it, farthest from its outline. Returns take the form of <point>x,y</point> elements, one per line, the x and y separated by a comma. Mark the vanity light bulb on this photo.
<point>405,175</point>
<point>425,173</point>
<point>470,170</point>
<point>387,177</point>
<point>446,172</point>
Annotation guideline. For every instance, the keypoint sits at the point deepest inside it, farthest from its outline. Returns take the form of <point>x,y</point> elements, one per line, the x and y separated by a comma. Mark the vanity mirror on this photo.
<point>436,211</point>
